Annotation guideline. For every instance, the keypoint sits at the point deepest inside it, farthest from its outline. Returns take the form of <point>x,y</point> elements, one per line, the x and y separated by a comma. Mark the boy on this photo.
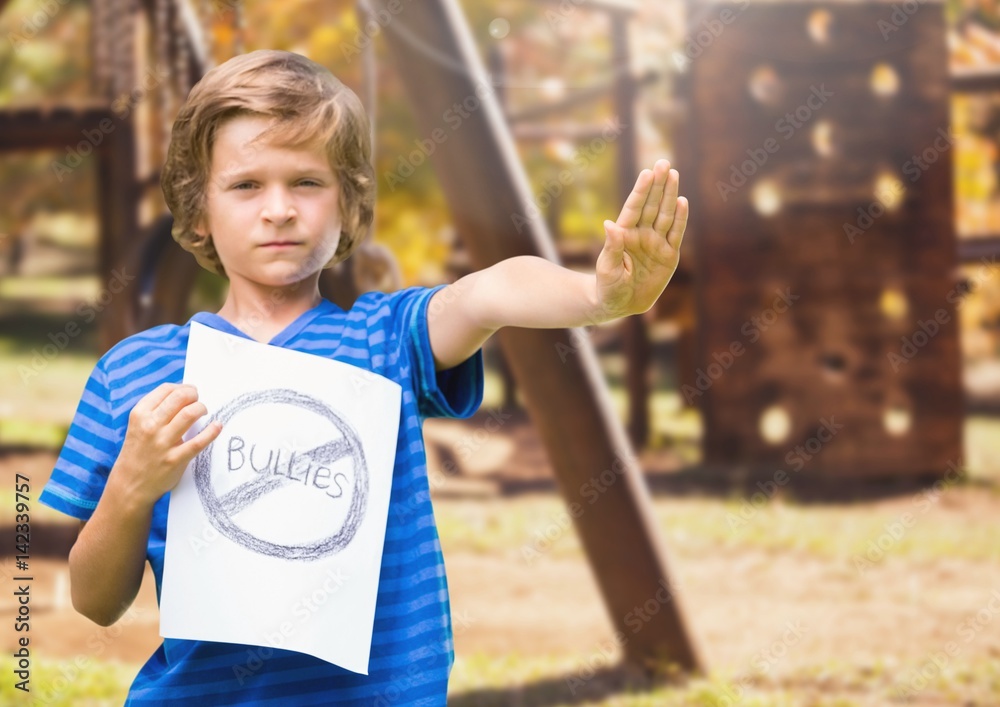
<point>269,179</point>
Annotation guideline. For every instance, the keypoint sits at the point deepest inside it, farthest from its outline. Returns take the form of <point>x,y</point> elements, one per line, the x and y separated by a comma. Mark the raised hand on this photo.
<point>642,248</point>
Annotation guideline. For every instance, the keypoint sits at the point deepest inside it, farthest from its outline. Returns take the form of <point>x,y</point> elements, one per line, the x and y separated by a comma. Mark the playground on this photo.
<point>779,486</point>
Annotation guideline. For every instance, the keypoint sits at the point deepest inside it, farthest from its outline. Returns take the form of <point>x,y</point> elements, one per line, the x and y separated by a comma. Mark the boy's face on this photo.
<point>273,212</point>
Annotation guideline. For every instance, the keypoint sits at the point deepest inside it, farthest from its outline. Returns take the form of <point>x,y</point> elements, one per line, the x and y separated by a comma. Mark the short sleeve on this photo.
<point>90,450</point>
<point>454,392</point>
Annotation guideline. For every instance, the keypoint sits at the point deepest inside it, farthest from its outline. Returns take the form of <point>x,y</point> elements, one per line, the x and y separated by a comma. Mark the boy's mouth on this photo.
<point>279,244</point>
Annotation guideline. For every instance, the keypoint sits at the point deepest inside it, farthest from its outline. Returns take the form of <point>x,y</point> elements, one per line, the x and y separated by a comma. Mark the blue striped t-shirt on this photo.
<point>411,652</point>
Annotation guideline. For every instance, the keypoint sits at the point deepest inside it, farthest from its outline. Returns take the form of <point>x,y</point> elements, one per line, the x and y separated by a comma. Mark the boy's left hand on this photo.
<point>642,248</point>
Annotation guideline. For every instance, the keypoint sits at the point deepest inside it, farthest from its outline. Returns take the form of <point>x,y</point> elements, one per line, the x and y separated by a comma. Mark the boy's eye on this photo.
<point>243,186</point>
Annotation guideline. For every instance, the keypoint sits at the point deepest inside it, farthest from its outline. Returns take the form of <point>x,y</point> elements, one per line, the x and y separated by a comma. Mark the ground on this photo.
<point>782,601</point>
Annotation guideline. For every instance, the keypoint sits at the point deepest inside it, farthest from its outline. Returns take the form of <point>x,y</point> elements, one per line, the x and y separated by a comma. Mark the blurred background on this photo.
<point>814,402</point>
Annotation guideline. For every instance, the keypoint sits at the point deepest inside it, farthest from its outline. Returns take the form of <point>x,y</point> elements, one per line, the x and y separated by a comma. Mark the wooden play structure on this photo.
<point>769,248</point>
<point>146,55</point>
<point>825,249</point>
<point>817,228</point>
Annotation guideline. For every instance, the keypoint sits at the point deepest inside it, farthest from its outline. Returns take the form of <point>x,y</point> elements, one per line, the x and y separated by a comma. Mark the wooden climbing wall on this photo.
<point>823,236</point>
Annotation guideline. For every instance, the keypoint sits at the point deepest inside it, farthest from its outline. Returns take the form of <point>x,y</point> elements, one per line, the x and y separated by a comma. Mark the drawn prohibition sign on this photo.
<point>221,509</point>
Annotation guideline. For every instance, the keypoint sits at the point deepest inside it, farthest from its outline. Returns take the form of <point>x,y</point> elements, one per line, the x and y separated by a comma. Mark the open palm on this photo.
<point>642,248</point>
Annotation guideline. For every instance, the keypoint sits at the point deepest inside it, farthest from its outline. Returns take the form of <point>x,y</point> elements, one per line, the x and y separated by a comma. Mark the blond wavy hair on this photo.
<point>309,105</point>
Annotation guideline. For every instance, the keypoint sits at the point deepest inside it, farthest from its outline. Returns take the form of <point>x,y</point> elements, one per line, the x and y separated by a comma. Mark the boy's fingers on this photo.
<point>178,398</point>
<point>676,234</point>
<point>668,204</point>
<point>183,420</point>
<point>629,216</point>
<point>190,449</point>
<point>154,397</point>
<point>661,173</point>
<point>613,240</point>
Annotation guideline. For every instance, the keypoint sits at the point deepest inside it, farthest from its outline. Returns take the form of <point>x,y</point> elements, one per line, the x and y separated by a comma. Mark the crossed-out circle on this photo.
<point>219,515</point>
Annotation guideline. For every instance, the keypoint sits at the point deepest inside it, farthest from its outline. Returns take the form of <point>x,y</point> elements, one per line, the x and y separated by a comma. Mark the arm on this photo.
<point>108,558</point>
<point>640,255</point>
<point>525,291</point>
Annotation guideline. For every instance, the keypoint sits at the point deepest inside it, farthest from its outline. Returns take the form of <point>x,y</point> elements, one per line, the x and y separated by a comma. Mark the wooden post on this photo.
<point>557,369</point>
<point>637,347</point>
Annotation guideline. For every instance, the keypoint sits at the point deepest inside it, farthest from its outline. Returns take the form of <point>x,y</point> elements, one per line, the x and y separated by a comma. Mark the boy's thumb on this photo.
<point>614,234</point>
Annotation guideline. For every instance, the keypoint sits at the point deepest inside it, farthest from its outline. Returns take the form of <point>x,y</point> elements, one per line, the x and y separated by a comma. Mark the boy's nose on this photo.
<point>278,207</point>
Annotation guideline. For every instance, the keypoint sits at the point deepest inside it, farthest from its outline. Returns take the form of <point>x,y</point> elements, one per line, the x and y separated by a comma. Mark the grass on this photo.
<point>693,525</point>
<point>41,394</point>
<point>42,434</point>
<point>561,681</point>
<point>85,682</point>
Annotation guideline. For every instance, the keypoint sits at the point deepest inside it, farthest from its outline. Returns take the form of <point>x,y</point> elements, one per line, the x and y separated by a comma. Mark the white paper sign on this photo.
<point>275,531</point>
